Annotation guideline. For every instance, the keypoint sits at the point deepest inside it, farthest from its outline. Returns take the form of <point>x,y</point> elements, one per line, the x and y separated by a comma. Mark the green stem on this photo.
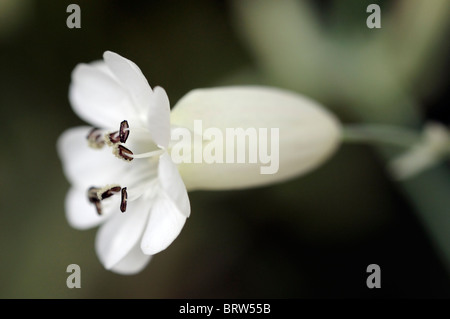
<point>380,134</point>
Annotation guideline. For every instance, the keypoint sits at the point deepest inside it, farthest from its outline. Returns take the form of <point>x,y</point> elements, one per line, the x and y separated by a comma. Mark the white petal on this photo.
<point>98,98</point>
<point>132,263</point>
<point>85,166</point>
<point>140,141</point>
<point>158,118</point>
<point>81,214</point>
<point>308,133</point>
<point>164,225</point>
<point>131,78</point>
<point>172,184</point>
<point>119,234</point>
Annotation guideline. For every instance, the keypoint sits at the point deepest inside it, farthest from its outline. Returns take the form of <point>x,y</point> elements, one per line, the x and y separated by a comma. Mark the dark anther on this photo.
<point>124,132</point>
<point>95,138</point>
<point>94,133</point>
<point>93,198</point>
<point>92,194</point>
<point>96,195</point>
<point>98,207</point>
<point>124,153</point>
<point>110,192</point>
<point>123,201</point>
<point>114,137</point>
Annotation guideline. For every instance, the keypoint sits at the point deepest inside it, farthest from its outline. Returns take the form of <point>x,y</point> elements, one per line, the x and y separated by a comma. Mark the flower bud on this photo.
<point>266,135</point>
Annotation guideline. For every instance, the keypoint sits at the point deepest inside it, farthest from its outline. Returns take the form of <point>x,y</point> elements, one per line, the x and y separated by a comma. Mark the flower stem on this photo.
<point>380,134</point>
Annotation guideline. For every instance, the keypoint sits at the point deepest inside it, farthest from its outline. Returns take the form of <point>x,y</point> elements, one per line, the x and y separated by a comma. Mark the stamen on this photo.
<point>98,207</point>
<point>107,192</point>
<point>124,131</point>
<point>92,194</point>
<point>123,153</point>
<point>149,154</point>
<point>97,194</point>
<point>124,199</point>
<point>95,138</point>
<point>119,136</point>
<point>112,138</point>
<point>93,198</point>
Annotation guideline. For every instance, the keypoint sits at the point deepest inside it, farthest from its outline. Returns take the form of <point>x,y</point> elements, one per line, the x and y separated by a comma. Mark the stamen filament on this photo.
<point>149,154</point>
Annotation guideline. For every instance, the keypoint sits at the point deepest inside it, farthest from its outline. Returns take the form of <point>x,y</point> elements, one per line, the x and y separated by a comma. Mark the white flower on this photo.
<point>139,199</point>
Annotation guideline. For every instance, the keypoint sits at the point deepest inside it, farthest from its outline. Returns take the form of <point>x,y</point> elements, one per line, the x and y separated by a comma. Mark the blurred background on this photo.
<point>312,237</point>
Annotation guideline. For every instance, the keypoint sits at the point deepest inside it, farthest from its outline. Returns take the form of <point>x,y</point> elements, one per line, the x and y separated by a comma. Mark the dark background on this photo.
<point>311,237</point>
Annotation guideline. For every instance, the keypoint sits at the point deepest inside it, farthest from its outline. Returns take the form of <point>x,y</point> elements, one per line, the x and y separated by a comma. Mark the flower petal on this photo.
<point>98,98</point>
<point>172,184</point>
<point>158,117</point>
<point>308,134</point>
<point>81,214</point>
<point>131,78</point>
<point>85,166</point>
<point>132,263</point>
<point>164,225</point>
<point>117,237</point>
